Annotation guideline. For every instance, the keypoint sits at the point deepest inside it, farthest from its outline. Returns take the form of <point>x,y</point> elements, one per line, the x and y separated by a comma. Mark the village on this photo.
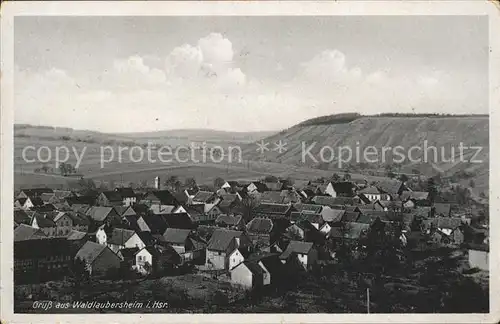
<point>250,235</point>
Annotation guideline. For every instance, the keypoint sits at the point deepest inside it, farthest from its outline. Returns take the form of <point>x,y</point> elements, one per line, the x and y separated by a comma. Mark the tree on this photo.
<point>472,183</point>
<point>432,190</point>
<point>391,174</point>
<point>63,169</point>
<point>335,177</point>
<point>45,168</point>
<point>171,182</point>
<point>249,204</point>
<point>190,183</point>
<point>270,178</point>
<point>403,178</point>
<point>219,182</point>
<point>347,176</point>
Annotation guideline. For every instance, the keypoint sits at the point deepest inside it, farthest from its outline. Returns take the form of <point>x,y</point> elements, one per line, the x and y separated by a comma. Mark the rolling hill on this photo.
<point>358,132</point>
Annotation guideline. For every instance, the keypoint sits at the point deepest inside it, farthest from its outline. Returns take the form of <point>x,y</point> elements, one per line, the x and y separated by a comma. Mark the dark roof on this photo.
<point>42,248</point>
<point>205,231</point>
<point>75,235</point>
<point>371,190</point>
<point>221,238</point>
<point>344,187</point>
<point>271,197</point>
<point>90,251</point>
<point>308,208</point>
<point>447,222</point>
<point>331,201</point>
<point>24,232</point>
<point>99,213</point>
<point>260,225</point>
<point>176,235</point>
<point>165,197</point>
<point>261,187</point>
<point>333,215</point>
<point>254,267</point>
<point>21,217</point>
<point>269,209</point>
<point>146,237</point>
<point>81,200</point>
<point>296,247</point>
<point>36,201</point>
<point>478,247</point>
<point>112,195</point>
<point>129,253</point>
<point>204,196</point>
<point>36,191</point>
<point>180,196</point>
<point>126,192</point>
<point>43,222</point>
<point>390,186</point>
<point>119,236</point>
<point>350,216</point>
<point>228,220</point>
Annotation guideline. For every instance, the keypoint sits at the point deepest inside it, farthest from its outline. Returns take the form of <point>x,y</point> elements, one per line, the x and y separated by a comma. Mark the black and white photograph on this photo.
<point>231,158</point>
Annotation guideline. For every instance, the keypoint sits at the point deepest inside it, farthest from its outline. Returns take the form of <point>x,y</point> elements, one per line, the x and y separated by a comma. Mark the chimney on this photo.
<point>157,183</point>
<point>237,240</point>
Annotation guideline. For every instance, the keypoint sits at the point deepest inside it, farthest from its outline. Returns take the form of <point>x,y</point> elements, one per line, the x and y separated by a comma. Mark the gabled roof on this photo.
<point>389,186</point>
<point>112,195</point>
<point>350,216</point>
<point>21,217</point>
<point>332,215</point>
<point>165,197</point>
<point>448,222</point>
<point>253,267</point>
<point>261,187</point>
<point>181,197</point>
<point>228,220</point>
<point>46,197</point>
<point>296,247</point>
<point>176,235</point>
<point>331,201</point>
<point>99,213</point>
<point>119,236</point>
<point>204,196</point>
<point>271,197</point>
<point>260,225</point>
<point>162,209</point>
<point>36,191</point>
<point>343,187</point>
<point>291,196</point>
<point>24,232</point>
<point>308,208</point>
<point>129,253</point>
<point>75,235</point>
<point>371,190</point>
<point>43,222</point>
<point>272,209</point>
<point>126,192</point>
<point>90,251</point>
<point>222,238</point>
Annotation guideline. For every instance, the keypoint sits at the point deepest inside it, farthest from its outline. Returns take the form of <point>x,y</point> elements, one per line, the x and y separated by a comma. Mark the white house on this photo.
<point>479,257</point>
<point>101,236</point>
<point>235,258</point>
<point>250,275</point>
<point>305,253</point>
<point>144,260</point>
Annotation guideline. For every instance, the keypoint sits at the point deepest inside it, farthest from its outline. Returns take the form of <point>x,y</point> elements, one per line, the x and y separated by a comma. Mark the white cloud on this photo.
<point>200,86</point>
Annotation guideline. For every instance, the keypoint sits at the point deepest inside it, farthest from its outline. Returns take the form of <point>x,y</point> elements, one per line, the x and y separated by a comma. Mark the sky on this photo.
<point>133,74</point>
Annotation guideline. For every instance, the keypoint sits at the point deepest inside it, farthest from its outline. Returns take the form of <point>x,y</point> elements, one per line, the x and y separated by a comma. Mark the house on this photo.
<point>273,211</point>
<point>442,210</point>
<point>479,256</point>
<point>335,202</point>
<point>41,259</point>
<point>304,252</point>
<point>274,185</point>
<point>291,196</point>
<point>451,230</point>
<point>273,197</point>
<point>77,238</point>
<point>259,231</point>
<point>28,203</point>
<point>166,209</point>
<point>205,197</point>
<point>160,197</point>
<point>127,256</point>
<point>393,188</point>
<point>21,217</point>
<point>119,239</point>
<point>222,244</point>
<point>35,192</point>
<point>129,197</point>
<point>178,239</point>
<point>373,194</point>
<point>338,189</point>
<point>203,213</point>
<point>229,203</point>
<point>99,259</point>
<point>158,224</point>
<point>231,222</point>
<point>46,225</point>
<point>156,259</point>
<point>250,275</point>
<point>109,199</point>
<point>103,215</point>
<point>256,187</point>
<point>24,232</point>
<point>415,198</point>
<point>124,211</point>
<point>315,219</point>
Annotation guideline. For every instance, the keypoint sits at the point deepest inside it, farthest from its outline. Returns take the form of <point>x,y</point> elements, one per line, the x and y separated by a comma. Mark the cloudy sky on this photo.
<point>123,74</point>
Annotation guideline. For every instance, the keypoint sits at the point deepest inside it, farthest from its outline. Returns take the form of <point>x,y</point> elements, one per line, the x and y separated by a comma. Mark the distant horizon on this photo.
<point>381,115</point>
